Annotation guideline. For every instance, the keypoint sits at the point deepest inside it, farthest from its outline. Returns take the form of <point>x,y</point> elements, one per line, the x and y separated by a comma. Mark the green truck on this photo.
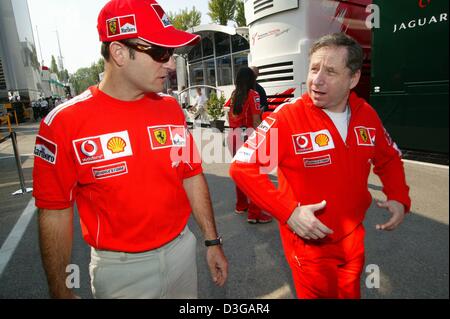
<point>409,73</point>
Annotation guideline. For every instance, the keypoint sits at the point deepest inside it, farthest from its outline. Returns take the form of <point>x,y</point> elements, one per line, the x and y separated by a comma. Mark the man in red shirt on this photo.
<point>324,145</point>
<point>122,152</point>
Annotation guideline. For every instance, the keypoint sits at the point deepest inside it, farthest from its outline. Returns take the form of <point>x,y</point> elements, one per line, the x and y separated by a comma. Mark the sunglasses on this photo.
<point>159,54</point>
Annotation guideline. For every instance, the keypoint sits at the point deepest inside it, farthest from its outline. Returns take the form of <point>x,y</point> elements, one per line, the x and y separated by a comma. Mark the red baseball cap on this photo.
<point>143,19</point>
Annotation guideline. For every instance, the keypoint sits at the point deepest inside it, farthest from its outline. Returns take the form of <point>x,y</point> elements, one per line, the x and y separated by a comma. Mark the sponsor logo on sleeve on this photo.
<point>167,136</point>
<point>257,102</point>
<point>312,142</point>
<point>256,139</point>
<point>121,25</point>
<point>266,124</point>
<point>109,171</point>
<point>317,161</point>
<point>103,147</point>
<point>365,136</point>
<point>391,142</point>
<point>244,155</point>
<point>45,149</point>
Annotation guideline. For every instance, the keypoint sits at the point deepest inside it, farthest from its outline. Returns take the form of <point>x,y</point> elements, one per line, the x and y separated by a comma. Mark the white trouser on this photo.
<point>167,272</point>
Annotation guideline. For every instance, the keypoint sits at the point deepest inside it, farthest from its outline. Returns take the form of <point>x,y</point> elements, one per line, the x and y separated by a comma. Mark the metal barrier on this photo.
<point>23,189</point>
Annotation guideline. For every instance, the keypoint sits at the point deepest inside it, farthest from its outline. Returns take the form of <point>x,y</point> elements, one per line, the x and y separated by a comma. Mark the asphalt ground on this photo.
<point>412,261</point>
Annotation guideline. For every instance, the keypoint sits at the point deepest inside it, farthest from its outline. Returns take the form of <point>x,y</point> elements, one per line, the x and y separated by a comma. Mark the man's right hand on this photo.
<point>306,225</point>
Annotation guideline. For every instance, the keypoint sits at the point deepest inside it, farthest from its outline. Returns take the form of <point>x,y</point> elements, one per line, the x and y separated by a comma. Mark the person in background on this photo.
<point>199,107</point>
<point>262,93</point>
<point>244,115</point>
<point>325,144</point>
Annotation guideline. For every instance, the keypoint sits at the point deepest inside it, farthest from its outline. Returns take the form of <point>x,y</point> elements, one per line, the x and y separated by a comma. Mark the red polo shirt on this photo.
<point>123,163</point>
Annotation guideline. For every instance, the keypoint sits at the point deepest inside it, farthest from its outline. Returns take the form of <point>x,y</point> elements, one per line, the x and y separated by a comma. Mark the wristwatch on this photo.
<point>214,242</point>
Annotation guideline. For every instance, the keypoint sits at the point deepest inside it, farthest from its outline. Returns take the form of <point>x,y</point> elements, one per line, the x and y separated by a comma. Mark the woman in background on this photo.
<point>244,114</point>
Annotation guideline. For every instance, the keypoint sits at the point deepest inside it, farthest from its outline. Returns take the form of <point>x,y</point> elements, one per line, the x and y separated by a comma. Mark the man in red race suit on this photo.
<point>123,154</point>
<point>324,145</point>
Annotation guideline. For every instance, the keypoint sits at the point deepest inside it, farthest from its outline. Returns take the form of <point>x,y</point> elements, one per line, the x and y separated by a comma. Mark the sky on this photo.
<point>76,22</point>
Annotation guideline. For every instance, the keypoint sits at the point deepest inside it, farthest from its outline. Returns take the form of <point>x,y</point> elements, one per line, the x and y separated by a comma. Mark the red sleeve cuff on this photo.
<point>193,172</point>
<point>52,205</point>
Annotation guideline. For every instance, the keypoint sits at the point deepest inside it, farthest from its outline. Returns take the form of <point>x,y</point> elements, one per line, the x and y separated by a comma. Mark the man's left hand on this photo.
<point>218,264</point>
<point>398,214</point>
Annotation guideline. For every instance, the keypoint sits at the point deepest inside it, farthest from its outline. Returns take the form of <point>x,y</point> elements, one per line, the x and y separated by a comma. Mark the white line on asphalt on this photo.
<point>22,155</point>
<point>10,244</point>
<point>283,292</point>
<point>426,164</point>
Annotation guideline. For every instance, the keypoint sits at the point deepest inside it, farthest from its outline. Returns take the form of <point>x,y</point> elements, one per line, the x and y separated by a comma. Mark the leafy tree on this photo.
<point>63,75</point>
<point>240,14</point>
<point>86,77</point>
<point>54,66</point>
<point>222,11</point>
<point>186,18</point>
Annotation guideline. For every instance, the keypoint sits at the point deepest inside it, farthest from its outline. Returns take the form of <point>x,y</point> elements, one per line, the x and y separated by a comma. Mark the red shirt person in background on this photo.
<point>244,116</point>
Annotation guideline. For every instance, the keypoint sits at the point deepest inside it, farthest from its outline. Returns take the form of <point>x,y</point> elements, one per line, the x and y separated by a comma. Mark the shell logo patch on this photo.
<point>365,136</point>
<point>167,136</point>
<point>322,140</point>
<point>116,145</point>
<point>312,142</point>
<point>102,148</point>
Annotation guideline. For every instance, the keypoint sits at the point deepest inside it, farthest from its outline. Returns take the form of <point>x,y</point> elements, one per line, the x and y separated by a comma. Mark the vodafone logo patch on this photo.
<point>102,148</point>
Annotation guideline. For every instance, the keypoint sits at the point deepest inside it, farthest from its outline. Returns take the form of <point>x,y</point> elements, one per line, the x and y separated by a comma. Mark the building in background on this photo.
<point>19,65</point>
<point>214,61</point>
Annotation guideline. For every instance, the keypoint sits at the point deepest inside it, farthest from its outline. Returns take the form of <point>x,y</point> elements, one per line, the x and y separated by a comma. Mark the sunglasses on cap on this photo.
<point>159,54</point>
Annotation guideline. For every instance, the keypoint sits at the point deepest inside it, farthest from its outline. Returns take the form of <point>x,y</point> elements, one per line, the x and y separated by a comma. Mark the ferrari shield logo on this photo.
<point>112,26</point>
<point>363,135</point>
<point>161,136</point>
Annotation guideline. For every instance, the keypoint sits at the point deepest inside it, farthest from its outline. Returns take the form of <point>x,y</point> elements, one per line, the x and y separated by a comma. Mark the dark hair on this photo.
<point>104,50</point>
<point>245,81</point>
<point>355,54</point>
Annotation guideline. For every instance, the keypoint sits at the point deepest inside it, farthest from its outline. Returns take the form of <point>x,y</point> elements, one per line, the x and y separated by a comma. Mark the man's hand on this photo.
<point>218,264</point>
<point>398,214</point>
<point>305,224</point>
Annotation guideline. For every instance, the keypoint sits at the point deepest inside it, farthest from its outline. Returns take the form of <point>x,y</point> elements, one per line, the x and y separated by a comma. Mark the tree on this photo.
<point>186,19</point>
<point>222,11</point>
<point>86,77</point>
<point>240,14</point>
<point>54,66</point>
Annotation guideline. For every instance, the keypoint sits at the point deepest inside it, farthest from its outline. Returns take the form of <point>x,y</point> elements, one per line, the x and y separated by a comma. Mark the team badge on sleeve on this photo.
<point>266,124</point>
<point>256,139</point>
<point>365,136</point>
<point>103,147</point>
<point>45,149</point>
<point>244,155</point>
<point>391,142</point>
